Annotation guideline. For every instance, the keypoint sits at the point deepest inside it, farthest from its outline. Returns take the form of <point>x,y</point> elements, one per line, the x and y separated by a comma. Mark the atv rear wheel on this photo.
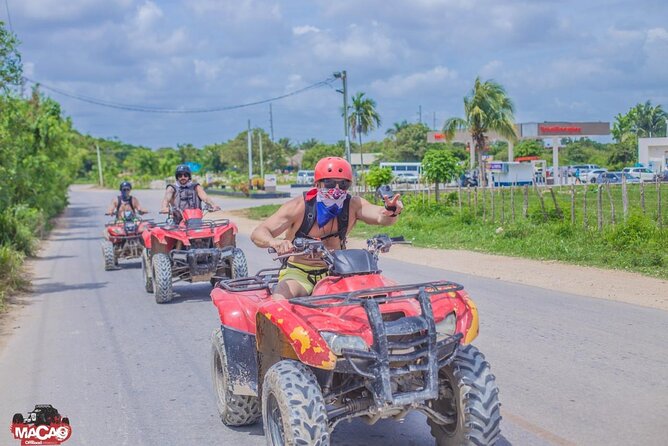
<point>162,278</point>
<point>234,410</point>
<point>110,261</point>
<point>293,410</point>
<point>146,271</point>
<point>469,395</point>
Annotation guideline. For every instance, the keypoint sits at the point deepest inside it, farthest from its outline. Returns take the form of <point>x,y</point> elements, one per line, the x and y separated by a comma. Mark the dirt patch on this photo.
<point>616,285</point>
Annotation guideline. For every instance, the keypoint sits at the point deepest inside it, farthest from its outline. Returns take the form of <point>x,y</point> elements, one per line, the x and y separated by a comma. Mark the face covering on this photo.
<point>125,195</point>
<point>329,204</point>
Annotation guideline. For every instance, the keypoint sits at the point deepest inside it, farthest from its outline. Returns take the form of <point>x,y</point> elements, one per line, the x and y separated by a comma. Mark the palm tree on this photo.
<point>396,128</point>
<point>648,121</point>
<point>363,118</point>
<point>486,108</point>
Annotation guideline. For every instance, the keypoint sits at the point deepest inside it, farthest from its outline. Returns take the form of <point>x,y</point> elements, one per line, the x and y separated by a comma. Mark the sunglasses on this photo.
<point>125,189</point>
<point>331,184</point>
<point>181,175</point>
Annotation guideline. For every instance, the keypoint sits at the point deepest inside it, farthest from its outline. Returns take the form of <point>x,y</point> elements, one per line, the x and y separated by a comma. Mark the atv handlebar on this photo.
<point>305,246</point>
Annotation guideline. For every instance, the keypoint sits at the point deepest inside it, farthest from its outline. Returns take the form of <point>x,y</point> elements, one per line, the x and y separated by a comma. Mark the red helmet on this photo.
<point>333,167</point>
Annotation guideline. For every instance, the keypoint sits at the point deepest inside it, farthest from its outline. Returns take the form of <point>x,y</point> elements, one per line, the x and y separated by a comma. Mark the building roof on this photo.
<point>369,158</point>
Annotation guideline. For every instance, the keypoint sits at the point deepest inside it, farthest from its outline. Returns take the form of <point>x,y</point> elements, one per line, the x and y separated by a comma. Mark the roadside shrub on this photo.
<point>635,232</point>
<point>10,271</point>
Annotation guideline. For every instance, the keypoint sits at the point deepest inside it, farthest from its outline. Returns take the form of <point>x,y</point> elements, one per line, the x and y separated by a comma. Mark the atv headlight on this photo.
<point>338,342</point>
<point>447,326</point>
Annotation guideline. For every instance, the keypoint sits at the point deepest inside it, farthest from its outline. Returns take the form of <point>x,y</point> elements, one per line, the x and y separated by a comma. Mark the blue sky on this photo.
<point>559,60</point>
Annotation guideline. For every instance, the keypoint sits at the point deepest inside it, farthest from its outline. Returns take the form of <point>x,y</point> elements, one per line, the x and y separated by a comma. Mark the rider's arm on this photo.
<point>167,199</point>
<point>112,206</point>
<point>265,235</point>
<point>379,215</point>
<point>205,198</point>
<point>137,206</point>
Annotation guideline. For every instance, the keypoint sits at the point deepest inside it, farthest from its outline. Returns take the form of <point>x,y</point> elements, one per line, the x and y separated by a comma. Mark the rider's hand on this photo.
<point>393,206</point>
<point>164,211</point>
<point>281,246</point>
<point>215,207</point>
<point>142,212</point>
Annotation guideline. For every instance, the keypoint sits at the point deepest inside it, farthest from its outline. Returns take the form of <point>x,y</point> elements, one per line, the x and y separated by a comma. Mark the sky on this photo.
<point>559,60</point>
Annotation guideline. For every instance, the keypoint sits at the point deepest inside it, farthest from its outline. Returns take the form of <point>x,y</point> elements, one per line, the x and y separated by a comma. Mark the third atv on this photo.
<point>360,346</point>
<point>194,250</point>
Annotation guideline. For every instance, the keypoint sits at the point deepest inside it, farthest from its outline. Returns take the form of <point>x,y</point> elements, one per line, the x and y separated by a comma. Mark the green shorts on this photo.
<point>306,275</point>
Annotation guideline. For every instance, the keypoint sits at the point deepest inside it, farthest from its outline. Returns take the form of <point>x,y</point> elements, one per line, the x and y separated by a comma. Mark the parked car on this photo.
<point>642,173</point>
<point>584,167</point>
<point>591,176</point>
<point>406,177</point>
<point>615,178</point>
<point>663,176</point>
<point>305,177</point>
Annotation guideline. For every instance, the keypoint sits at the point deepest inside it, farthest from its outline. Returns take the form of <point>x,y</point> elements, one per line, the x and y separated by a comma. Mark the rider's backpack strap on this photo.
<point>342,220</point>
<point>119,201</point>
<point>309,216</point>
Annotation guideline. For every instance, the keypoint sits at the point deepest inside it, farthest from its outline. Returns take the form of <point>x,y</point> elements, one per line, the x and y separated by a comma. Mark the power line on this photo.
<point>149,109</point>
<point>9,17</point>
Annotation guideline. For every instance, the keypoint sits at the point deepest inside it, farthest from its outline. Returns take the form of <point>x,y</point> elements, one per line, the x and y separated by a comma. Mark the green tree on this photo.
<point>622,128</point>
<point>440,166</point>
<point>529,147</point>
<point>621,155</point>
<point>319,151</point>
<point>378,176</point>
<point>409,144</point>
<point>486,108</point>
<point>362,118</point>
<point>648,121</point>
<point>396,128</point>
<point>11,68</point>
<point>142,162</point>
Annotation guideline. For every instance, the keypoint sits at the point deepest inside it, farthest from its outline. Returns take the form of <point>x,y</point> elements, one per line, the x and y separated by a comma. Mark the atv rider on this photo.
<point>335,212</point>
<point>125,202</point>
<point>185,194</point>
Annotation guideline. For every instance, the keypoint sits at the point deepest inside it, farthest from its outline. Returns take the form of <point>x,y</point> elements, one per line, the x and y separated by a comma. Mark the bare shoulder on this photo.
<point>291,207</point>
<point>357,203</point>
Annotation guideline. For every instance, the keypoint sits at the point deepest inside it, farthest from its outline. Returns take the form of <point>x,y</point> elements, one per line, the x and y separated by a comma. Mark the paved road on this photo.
<point>127,371</point>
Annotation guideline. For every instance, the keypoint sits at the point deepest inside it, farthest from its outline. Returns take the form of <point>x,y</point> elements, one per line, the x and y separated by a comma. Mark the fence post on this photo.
<point>572,204</point>
<point>484,208</point>
<point>468,189</point>
<point>625,198</point>
<point>599,208</point>
<point>459,198</point>
<point>612,204</point>
<point>542,202</point>
<point>503,206</point>
<point>476,202</point>
<point>585,221</point>
<point>659,217</point>
<point>491,191</point>
<point>557,209</point>
<point>512,203</point>
<point>642,197</point>
<point>525,205</point>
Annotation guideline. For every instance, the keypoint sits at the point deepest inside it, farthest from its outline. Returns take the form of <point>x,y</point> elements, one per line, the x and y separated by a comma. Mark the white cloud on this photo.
<point>147,15</point>
<point>401,86</point>
<point>207,70</point>
<point>238,11</point>
<point>28,69</point>
<point>65,10</point>
<point>300,30</point>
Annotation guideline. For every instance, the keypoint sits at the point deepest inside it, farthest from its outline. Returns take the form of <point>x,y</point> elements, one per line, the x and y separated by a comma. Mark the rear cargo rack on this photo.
<point>264,279</point>
<point>380,295</point>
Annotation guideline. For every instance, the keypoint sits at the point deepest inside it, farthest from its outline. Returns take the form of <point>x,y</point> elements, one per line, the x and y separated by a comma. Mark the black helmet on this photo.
<point>125,184</point>
<point>181,169</point>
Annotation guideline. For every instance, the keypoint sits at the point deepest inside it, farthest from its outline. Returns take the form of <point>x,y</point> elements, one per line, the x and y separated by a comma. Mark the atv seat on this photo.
<point>349,262</point>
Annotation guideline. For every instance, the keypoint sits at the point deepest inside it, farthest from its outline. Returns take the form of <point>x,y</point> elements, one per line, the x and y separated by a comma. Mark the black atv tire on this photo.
<point>17,418</point>
<point>472,397</point>
<point>162,278</point>
<point>110,261</point>
<point>234,410</point>
<point>239,264</point>
<point>146,271</point>
<point>293,409</point>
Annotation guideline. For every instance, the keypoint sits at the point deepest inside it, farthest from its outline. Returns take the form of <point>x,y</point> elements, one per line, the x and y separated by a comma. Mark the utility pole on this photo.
<point>271,122</point>
<point>99,165</point>
<point>259,137</point>
<point>250,158</point>
<point>344,77</point>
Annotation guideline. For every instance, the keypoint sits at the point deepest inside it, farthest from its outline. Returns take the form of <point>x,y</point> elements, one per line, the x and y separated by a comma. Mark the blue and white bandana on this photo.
<point>329,204</point>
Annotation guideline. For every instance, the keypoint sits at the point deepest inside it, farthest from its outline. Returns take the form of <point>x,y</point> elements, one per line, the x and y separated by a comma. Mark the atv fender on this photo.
<point>225,235</point>
<point>281,330</point>
<point>237,310</point>
<point>241,357</point>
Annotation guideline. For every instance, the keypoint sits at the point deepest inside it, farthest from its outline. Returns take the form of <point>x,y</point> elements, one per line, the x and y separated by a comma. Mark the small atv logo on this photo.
<point>42,426</point>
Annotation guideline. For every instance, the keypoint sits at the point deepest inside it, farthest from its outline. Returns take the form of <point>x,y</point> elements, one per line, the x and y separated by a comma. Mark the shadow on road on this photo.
<point>57,287</point>
<point>42,258</point>
<point>187,292</point>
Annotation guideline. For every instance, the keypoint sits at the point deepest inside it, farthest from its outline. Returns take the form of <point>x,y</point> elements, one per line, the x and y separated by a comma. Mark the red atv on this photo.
<point>194,250</point>
<point>360,346</point>
<point>123,239</point>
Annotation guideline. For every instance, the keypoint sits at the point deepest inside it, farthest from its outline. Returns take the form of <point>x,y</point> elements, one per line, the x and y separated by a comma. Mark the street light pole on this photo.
<point>344,77</point>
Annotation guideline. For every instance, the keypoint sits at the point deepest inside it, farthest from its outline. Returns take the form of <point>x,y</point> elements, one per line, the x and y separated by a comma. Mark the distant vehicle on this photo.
<point>409,168</point>
<point>42,414</point>
<point>592,175</point>
<point>585,167</point>
<point>663,176</point>
<point>406,177</point>
<point>642,173</point>
<point>615,178</point>
<point>305,177</point>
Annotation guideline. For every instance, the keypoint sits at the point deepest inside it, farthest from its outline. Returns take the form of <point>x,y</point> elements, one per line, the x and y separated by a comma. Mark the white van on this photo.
<point>642,173</point>
<point>305,177</point>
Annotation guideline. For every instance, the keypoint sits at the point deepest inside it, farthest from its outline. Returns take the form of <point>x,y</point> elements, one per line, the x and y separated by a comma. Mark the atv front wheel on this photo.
<point>234,410</point>
<point>293,410</point>
<point>146,271</point>
<point>65,420</point>
<point>108,254</point>
<point>239,264</point>
<point>469,395</point>
<point>162,278</point>
<point>17,418</point>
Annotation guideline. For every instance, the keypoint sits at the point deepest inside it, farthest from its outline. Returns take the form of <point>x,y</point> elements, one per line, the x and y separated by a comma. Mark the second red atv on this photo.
<point>123,239</point>
<point>360,346</point>
<point>194,250</point>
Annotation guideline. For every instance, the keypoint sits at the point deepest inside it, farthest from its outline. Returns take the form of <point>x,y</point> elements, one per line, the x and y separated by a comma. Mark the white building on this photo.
<point>653,153</point>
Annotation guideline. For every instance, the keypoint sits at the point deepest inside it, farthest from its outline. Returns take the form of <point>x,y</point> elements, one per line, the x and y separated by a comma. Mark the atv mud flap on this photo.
<point>202,263</point>
<point>404,346</point>
<point>241,349</point>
